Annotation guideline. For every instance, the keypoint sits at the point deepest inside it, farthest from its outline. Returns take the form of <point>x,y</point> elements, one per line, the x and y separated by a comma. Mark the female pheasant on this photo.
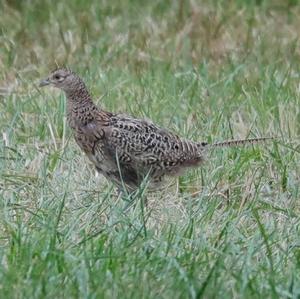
<point>126,149</point>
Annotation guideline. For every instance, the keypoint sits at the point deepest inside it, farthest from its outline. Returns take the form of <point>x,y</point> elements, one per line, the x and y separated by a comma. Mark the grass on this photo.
<point>208,70</point>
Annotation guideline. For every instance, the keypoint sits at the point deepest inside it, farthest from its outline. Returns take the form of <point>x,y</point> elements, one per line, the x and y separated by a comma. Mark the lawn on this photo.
<point>207,70</point>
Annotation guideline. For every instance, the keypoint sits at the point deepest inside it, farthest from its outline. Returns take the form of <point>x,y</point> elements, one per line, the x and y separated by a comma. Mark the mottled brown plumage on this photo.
<point>125,149</point>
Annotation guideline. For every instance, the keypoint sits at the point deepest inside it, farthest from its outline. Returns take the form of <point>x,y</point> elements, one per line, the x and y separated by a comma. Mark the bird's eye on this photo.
<point>57,77</point>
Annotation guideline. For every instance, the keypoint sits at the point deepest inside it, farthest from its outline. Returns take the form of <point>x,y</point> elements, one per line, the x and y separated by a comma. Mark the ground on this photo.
<point>209,71</point>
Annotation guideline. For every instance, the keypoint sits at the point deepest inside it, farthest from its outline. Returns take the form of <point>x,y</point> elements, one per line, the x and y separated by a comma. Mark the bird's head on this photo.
<point>62,78</point>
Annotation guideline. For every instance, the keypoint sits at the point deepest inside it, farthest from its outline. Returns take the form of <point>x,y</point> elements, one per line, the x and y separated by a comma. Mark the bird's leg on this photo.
<point>120,192</point>
<point>128,198</point>
<point>132,198</point>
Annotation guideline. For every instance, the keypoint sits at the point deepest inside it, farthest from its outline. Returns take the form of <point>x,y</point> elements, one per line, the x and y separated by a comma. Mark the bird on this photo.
<point>124,149</point>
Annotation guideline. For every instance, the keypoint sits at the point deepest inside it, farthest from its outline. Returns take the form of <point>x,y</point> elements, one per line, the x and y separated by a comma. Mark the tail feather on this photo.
<point>239,142</point>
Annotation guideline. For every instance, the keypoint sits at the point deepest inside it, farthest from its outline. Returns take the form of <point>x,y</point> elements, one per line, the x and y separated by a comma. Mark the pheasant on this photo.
<point>124,149</point>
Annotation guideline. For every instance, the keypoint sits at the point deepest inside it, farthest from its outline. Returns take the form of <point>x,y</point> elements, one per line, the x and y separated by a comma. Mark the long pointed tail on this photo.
<point>239,142</point>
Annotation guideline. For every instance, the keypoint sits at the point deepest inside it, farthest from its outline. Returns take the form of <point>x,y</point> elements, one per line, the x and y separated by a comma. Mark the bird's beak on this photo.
<point>44,82</point>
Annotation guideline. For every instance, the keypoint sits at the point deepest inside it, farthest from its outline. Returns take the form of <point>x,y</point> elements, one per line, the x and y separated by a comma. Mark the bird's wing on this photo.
<point>140,142</point>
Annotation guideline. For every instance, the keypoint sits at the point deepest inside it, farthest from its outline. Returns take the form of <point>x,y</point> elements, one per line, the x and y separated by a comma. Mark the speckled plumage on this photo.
<point>125,149</point>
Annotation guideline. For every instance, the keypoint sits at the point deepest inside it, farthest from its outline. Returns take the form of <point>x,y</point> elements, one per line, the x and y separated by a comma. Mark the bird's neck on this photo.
<point>81,109</point>
<point>79,104</point>
<point>78,93</point>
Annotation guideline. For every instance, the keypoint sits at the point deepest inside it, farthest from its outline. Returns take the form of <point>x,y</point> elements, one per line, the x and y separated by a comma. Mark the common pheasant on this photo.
<point>124,149</point>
